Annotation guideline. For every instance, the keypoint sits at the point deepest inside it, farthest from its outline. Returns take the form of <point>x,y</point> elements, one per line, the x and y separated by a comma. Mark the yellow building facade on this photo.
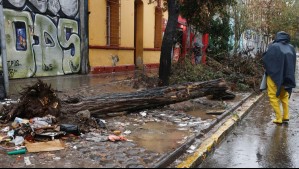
<point>125,35</point>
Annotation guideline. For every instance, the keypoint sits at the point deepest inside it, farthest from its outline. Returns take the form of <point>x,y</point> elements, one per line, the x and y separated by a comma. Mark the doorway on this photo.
<point>138,29</point>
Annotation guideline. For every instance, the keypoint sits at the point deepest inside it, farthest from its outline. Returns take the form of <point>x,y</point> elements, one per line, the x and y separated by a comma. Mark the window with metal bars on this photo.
<point>113,22</point>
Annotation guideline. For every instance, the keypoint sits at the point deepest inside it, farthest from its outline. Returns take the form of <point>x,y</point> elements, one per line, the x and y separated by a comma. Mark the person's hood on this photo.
<point>282,37</point>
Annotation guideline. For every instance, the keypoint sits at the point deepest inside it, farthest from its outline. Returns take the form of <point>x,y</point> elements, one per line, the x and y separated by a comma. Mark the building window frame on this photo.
<point>113,17</point>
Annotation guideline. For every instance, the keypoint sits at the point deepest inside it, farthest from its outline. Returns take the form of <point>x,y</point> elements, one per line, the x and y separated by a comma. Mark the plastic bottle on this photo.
<point>17,152</point>
<point>18,140</point>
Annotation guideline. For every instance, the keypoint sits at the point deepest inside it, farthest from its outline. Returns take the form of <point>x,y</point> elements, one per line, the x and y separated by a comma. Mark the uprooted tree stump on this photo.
<point>38,100</point>
<point>147,99</point>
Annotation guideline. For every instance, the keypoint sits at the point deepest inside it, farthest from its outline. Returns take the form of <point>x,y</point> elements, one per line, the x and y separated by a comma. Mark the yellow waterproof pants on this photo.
<point>275,101</point>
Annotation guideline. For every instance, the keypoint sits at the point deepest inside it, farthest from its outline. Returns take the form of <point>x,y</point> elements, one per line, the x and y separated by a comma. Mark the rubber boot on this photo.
<point>285,118</point>
<point>274,100</point>
<point>284,97</point>
<point>278,119</point>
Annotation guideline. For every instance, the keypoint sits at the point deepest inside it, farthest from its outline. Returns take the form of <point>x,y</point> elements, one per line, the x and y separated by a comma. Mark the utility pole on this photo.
<point>3,50</point>
<point>84,36</point>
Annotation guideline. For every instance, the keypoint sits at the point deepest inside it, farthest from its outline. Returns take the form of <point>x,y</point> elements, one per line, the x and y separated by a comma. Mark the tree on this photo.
<point>220,34</point>
<point>168,40</point>
<point>198,14</point>
<point>271,16</point>
<point>287,20</point>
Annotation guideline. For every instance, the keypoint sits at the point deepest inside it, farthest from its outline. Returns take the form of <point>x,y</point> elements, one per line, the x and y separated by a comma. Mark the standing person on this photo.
<point>197,50</point>
<point>280,63</point>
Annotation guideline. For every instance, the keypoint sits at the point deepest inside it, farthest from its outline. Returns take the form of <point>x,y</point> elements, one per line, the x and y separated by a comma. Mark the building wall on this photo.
<point>97,22</point>
<point>150,56</point>
<point>42,37</point>
<point>100,54</point>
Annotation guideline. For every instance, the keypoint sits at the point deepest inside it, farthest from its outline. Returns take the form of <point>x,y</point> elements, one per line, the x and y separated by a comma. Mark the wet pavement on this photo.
<point>152,134</point>
<point>74,82</point>
<point>258,143</point>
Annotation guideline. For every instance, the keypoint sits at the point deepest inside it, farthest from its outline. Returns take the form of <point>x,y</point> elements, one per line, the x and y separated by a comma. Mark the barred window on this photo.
<point>113,22</point>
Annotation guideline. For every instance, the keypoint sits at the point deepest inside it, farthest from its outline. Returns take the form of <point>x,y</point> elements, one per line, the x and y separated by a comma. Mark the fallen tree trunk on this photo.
<point>145,99</point>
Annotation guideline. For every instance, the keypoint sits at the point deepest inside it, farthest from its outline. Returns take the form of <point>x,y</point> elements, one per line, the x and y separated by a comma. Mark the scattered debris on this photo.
<point>231,68</point>
<point>117,133</point>
<point>143,114</point>
<point>18,140</point>
<point>101,123</point>
<point>70,129</point>
<point>50,123</point>
<point>56,158</point>
<point>45,146</point>
<point>17,152</point>
<point>114,138</point>
<point>127,132</point>
<point>27,161</point>
<point>52,135</point>
<point>98,139</point>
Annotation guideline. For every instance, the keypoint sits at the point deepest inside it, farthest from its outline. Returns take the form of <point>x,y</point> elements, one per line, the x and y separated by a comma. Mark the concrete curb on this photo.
<point>209,144</point>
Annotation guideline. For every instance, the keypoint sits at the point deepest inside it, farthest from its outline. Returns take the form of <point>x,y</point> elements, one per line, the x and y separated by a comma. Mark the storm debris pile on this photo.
<point>144,81</point>
<point>36,123</point>
<point>241,73</point>
<point>38,100</point>
<point>240,70</point>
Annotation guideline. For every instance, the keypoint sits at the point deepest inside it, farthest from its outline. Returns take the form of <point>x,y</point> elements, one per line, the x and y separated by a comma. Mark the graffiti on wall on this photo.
<point>42,37</point>
<point>252,43</point>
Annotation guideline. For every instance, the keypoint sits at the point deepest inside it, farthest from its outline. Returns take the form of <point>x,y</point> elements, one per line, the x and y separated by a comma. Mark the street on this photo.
<point>258,143</point>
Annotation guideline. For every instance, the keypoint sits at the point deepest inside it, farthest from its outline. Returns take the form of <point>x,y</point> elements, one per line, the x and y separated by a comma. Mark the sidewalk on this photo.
<point>156,138</point>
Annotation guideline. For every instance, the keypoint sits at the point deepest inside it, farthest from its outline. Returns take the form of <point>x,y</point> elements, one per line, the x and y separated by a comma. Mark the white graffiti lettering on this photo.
<point>42,47</point>
<point>17,3</point>
<point>69,7</point>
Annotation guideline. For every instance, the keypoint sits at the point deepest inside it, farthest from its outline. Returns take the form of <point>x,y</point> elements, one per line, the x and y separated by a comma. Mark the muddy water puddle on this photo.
<point>158,137</point>
<point>201,114</point>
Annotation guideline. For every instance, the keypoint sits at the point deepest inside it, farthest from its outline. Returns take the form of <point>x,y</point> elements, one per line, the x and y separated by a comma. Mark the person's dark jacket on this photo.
<point>280,62</point>
<point>197,51</point>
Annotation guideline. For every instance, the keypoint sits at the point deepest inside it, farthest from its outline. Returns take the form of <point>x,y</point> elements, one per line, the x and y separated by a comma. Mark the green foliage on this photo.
<point>295,42</point>
<point>220,33</point>
<point>242,87</point>
<point>201,13</point>
<point>210,17</point>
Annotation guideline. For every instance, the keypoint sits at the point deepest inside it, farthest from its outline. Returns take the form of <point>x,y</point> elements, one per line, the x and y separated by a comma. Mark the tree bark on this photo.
<point>167,43</point>
<point>144,99</point>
